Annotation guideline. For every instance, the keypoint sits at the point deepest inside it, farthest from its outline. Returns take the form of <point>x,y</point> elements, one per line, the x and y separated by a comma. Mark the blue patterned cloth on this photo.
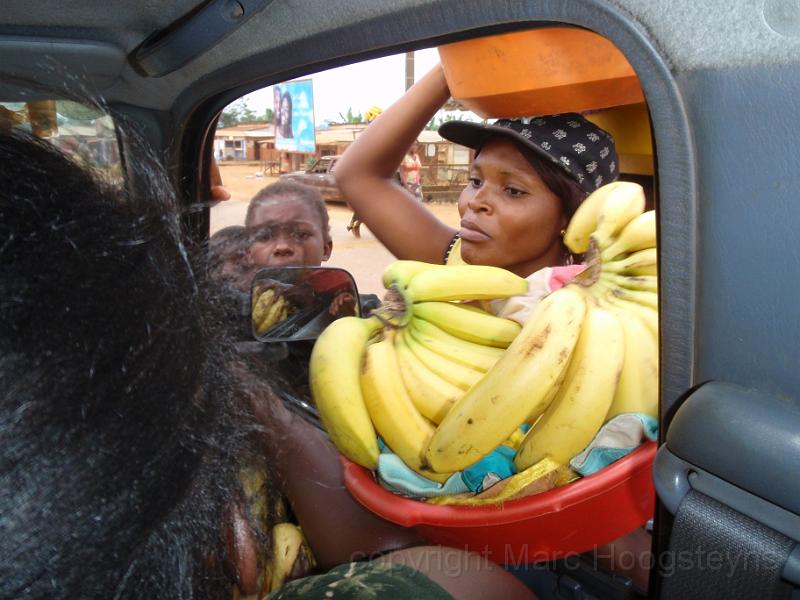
<point>620,436</point>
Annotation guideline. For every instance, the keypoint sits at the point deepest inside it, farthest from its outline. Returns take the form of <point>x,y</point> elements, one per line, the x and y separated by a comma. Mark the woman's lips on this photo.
<point>472,233</point>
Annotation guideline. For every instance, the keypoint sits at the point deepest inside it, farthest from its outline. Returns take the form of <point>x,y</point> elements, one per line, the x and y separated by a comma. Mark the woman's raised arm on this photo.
<point>365,175</point>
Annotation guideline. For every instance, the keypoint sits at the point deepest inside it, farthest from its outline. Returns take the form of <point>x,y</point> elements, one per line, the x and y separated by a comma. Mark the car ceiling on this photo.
<point>292,37</point>
<point>123,25</point>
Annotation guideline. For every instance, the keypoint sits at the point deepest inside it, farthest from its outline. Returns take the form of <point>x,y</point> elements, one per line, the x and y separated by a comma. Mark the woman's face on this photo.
<point>287,232</point>
<point>509,217</point>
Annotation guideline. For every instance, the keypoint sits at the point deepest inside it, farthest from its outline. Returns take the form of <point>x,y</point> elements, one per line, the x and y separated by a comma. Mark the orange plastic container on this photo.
<point>538,72</point>
<point>574,518</point>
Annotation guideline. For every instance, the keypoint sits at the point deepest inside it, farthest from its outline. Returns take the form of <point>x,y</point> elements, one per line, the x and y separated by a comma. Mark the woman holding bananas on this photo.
<point>526,181</point>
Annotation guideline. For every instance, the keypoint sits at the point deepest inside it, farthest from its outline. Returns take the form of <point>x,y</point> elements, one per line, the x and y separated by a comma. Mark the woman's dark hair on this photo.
<point>120,428</point>
<point>286,117</point>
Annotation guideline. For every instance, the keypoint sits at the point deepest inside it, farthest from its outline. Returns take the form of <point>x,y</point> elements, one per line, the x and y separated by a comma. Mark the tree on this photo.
<point>352,118</point>
<point>240,112</point>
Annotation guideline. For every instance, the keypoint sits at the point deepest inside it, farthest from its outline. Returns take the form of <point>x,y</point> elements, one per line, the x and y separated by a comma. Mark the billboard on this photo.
<point>294,116</point>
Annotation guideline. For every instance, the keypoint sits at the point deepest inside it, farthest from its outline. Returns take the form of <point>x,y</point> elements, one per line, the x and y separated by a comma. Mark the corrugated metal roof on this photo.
<point>258,131</point>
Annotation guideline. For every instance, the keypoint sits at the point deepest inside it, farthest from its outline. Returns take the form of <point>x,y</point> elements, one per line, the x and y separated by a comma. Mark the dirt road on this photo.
<point>365,257</point>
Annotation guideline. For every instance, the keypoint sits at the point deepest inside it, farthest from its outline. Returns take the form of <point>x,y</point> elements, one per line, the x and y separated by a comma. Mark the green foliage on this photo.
<point>239,112</point>
<point>436,122</point>
<point>351,117</point>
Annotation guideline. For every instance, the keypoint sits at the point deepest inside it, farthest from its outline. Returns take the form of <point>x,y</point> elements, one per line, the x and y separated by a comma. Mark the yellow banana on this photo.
<point>642,283</point>
<point>515,389</point>
<point>584,222</point>
<point>432,395</point>
<point>335,379</point>
<point>288,546</point>
<point>459,375</point>
<point>637,235</point>
<point>464,282</point>
<point>579,408</point>
<point>400,272</point>
<point>621,205</point>
<point>470,354</point>
<point>536,479</point>
<point>647,315</point>
<point>260,308</point>
<point>637,390</point>
<point>262,301</point>
<point>641,262</point>
<point>648,299</point>
<point>469,323</point>
<point>397,420</point>
<point>272,315</point>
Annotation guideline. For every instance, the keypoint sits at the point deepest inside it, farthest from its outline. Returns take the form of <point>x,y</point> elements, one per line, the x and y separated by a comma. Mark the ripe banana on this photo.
<point>534,480</point>
<point>469,354</point>
<point>459,375</point>
<point>583,399</point>
<point>622,204</point>
<point>647,315</point>
<point>469,323</point>
<point>637,235</point>
<point>515,389</point>
<point>260,308</point>
<point>642,283</point>
<point>335,379</point>
<point>584,221</point>
<point>397,420</point>
<point>400,272</point>
<point>288,547</point>
<point>432,395</point>
<point>464,282</point>
<point>649,299</point>
<point>276,313</point>
<point>637,390</point>
<point>641,262</point>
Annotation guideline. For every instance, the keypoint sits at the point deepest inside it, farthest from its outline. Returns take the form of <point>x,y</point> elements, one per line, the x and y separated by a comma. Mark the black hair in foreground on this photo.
<point>120,432</point>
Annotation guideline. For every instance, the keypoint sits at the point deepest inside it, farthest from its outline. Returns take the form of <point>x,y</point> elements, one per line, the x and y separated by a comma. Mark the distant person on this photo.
<point>288,225</point>
<point>227,254</point>
<point>285,129</point>
<point>410,171</point>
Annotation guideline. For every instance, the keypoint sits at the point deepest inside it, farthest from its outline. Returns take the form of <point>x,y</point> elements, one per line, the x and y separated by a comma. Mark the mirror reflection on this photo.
<point>297,303</point>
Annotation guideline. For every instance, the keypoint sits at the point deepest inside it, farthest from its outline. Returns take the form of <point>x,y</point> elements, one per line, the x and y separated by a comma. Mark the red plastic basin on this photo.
<point>574,518</point>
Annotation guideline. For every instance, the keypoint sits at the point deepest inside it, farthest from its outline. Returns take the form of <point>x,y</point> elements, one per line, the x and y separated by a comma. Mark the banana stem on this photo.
<point>395,310</point>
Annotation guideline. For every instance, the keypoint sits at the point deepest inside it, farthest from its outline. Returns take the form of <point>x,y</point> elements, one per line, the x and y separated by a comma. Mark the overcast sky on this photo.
<point>359,86</point>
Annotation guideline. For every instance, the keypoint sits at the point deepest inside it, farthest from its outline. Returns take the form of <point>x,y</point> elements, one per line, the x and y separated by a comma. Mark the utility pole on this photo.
<point>409,69</point>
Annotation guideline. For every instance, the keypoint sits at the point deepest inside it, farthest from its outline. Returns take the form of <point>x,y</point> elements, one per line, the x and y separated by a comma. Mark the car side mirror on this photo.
<point>297,303</point>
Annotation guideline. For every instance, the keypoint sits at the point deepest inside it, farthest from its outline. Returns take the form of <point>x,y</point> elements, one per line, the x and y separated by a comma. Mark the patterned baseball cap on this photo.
<point>578,146</point>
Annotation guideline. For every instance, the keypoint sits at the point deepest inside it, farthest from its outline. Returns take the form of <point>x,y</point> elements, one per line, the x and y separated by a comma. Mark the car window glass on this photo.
<point>82,132</point>
<point>252,147</point>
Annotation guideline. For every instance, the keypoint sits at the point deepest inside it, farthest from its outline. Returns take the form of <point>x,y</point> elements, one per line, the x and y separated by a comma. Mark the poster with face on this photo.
<point>294,116</point>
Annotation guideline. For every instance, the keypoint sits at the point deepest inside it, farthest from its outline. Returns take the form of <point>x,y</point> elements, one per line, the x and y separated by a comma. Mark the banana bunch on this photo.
<point>398,373</point>
<point>269,309</point>
<point>444,383</point>
<point>588,352</point>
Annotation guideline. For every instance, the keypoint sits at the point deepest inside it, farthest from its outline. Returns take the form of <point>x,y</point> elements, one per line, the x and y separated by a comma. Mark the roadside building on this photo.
<point>246,141</point>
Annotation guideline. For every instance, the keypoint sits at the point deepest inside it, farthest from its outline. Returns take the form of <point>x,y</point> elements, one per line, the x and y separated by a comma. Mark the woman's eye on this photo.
<point>475,182</point>
<point>512,191</point>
